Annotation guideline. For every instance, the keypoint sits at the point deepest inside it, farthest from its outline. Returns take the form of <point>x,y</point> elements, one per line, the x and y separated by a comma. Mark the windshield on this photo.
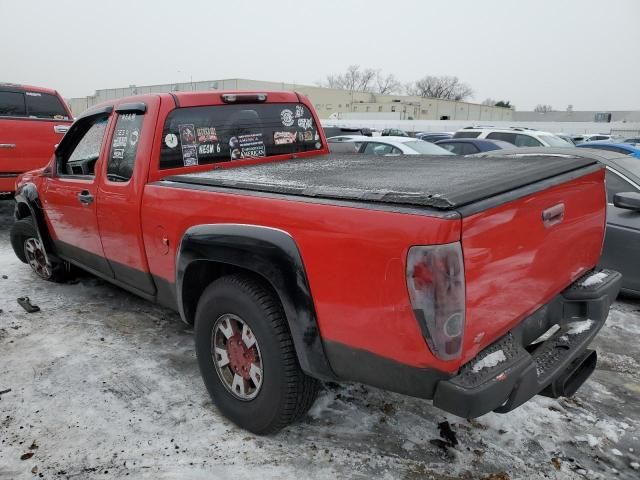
<point>426,148</point>
<point>224,133</point>
<point>554,141</point>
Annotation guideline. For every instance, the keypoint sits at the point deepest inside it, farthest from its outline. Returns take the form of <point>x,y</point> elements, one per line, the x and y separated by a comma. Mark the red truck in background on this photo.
<point>32,121</point>
<point>467,281</point>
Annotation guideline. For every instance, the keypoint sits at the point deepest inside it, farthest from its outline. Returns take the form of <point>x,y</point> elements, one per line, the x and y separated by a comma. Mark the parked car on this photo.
<point>432,279</point>
<point>566,138</point>
<point>596,137</point>
<point>623,148</point>
<point>345,143</point>
<point>520,137</point>
<point>469,146</point>
<point>433,137</point>
<point>331,131</point>
<point>396,146</point>
<point>632,140</point>
<point>621,251</point>
<point>394,132</point>
<point>32,121</point>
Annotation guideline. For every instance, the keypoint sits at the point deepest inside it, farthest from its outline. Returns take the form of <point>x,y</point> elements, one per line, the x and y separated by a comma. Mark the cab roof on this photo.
<point>27,88</point>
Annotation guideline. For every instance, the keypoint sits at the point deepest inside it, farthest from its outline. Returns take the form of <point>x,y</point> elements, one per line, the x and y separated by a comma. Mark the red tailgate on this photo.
<point>514,263</point>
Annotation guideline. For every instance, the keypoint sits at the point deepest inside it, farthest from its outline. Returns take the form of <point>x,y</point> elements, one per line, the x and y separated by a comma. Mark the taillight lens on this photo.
<point>435,279</point>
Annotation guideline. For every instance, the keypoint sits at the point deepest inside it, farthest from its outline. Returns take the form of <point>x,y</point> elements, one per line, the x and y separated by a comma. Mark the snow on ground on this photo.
<point>105,385</point>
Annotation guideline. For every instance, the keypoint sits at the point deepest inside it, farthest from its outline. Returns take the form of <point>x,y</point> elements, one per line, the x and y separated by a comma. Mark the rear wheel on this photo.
<point>28,247</point>
<point>247,358</point>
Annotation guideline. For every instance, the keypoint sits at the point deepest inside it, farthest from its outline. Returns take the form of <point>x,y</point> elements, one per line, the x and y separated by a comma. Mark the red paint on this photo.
<point>27,143</point>
<point>355,258</point>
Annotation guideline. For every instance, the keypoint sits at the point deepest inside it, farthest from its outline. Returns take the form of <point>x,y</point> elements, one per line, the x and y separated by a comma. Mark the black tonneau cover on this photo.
<point>441,182</point>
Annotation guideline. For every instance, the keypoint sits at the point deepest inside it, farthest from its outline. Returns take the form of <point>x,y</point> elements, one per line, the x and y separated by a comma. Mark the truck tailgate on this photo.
<point>516,261</point>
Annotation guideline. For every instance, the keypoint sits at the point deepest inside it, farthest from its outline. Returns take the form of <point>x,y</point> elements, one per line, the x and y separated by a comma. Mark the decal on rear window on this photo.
<point>224,133</point>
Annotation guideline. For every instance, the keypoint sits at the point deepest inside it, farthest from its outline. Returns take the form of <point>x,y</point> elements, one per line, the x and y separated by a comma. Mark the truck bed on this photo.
<point>442,183</point>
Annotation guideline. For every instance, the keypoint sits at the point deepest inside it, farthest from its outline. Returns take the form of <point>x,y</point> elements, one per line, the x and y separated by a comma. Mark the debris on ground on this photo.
<point>556,463</point>
<point>447,433</point>
<point>25,303</point>
<point>3,391</point>
<point>26,456</point>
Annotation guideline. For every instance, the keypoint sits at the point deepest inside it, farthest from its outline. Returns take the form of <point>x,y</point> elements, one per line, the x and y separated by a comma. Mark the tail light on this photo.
<point>435,279</point>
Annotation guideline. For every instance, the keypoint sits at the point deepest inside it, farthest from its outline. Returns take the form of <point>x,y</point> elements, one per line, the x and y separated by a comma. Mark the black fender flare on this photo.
<point>29,197</point>
<point>272,254</point>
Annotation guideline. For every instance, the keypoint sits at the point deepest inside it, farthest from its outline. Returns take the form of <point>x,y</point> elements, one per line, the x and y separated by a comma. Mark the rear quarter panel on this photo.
<point>354,259</point>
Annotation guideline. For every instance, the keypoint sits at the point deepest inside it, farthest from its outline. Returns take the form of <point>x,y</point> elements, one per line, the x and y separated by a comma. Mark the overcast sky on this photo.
<point>580,52</point>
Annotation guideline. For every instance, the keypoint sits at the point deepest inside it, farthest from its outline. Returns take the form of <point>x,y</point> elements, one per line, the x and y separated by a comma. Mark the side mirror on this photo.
<point>628,200</point>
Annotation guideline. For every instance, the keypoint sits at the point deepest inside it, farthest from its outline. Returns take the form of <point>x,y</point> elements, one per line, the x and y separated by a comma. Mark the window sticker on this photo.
<point>170,140</point>
<point>189,155</point>
<point>188,142</point>
<point>305,123</point>
<point>247,146</point>
<point>286,116</point>
<point>33,94</point>
<point>207,134</point>
<point>284,138</point>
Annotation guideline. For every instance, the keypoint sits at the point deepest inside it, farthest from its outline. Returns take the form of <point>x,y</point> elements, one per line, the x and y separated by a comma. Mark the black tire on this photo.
<point>286,393</point>
<point>24,229</point>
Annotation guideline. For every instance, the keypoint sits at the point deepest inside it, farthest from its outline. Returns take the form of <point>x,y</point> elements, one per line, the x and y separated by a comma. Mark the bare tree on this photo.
<point>444,87</point>
<point>489,101</point>
<point>354,79</point>
<point>386,84</point>
<point>541,108</point>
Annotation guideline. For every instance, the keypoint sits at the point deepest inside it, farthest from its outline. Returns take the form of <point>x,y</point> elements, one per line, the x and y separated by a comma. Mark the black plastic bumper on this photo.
<point>512,370</point>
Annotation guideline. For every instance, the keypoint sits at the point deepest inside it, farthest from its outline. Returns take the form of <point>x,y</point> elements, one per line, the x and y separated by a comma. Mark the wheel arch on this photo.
<point>208,252</point>
<point>28,204</point>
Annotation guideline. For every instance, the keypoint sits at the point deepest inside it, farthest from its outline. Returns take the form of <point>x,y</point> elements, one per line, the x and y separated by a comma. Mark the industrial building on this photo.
<point>330,103</point>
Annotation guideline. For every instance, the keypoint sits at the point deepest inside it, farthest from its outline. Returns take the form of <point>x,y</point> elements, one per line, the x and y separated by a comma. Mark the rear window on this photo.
<point>463,134</point>
<point>224,133</point>
<point>45,105</point>
<point>12,104</point>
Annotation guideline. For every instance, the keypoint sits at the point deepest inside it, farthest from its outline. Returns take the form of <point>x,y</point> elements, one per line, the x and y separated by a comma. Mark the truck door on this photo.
<point>70,193</point>
<point>122,180</point>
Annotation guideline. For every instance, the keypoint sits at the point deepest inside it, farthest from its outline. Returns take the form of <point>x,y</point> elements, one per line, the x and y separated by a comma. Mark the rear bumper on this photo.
<point>8,182</point>
<point>510,371</point>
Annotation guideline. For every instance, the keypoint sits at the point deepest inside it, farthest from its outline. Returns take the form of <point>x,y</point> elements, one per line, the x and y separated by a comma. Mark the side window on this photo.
<point>45,105</point>
<point>467,149</point>
<point>84,155</point>
<point>504,136</point>
<point>12,104</point>
<point>373,148</point>
<point>616,184</point>
<point>124,147</point>
<point>451,147</point>
<point>526,141</point>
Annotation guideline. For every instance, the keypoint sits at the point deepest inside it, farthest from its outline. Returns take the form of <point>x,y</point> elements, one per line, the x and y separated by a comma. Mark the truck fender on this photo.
<point>268,252</point>
<point>28,204</point>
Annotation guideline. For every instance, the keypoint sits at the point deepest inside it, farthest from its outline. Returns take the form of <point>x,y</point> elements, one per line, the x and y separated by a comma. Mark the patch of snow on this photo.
<point>590,439</point>
<point>594,279</point>
<point>490,360</point>
<point>616,452</point>
<point>576,328</point>
<point>635,465</point>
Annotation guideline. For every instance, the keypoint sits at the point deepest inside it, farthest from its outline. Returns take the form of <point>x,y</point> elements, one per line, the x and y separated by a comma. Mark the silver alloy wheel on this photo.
<point>37,257</point>
<point>236,355</point>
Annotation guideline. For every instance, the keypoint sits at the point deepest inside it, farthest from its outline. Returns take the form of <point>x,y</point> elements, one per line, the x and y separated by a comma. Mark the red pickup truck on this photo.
<point>32,121</point>
<point>467,281</point>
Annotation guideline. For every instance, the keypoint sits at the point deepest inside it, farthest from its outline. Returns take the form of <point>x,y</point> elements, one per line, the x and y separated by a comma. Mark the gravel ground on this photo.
<point>105,385</point>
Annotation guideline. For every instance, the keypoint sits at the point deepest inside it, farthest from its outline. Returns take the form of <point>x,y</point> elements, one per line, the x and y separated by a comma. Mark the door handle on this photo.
<point>85,197</point>
<point>7,145</point>
<point>553,215</point>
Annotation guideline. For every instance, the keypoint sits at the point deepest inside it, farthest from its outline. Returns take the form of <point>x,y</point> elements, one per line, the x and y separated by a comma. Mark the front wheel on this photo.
<point>247,358</point>
<point>28,247</point>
